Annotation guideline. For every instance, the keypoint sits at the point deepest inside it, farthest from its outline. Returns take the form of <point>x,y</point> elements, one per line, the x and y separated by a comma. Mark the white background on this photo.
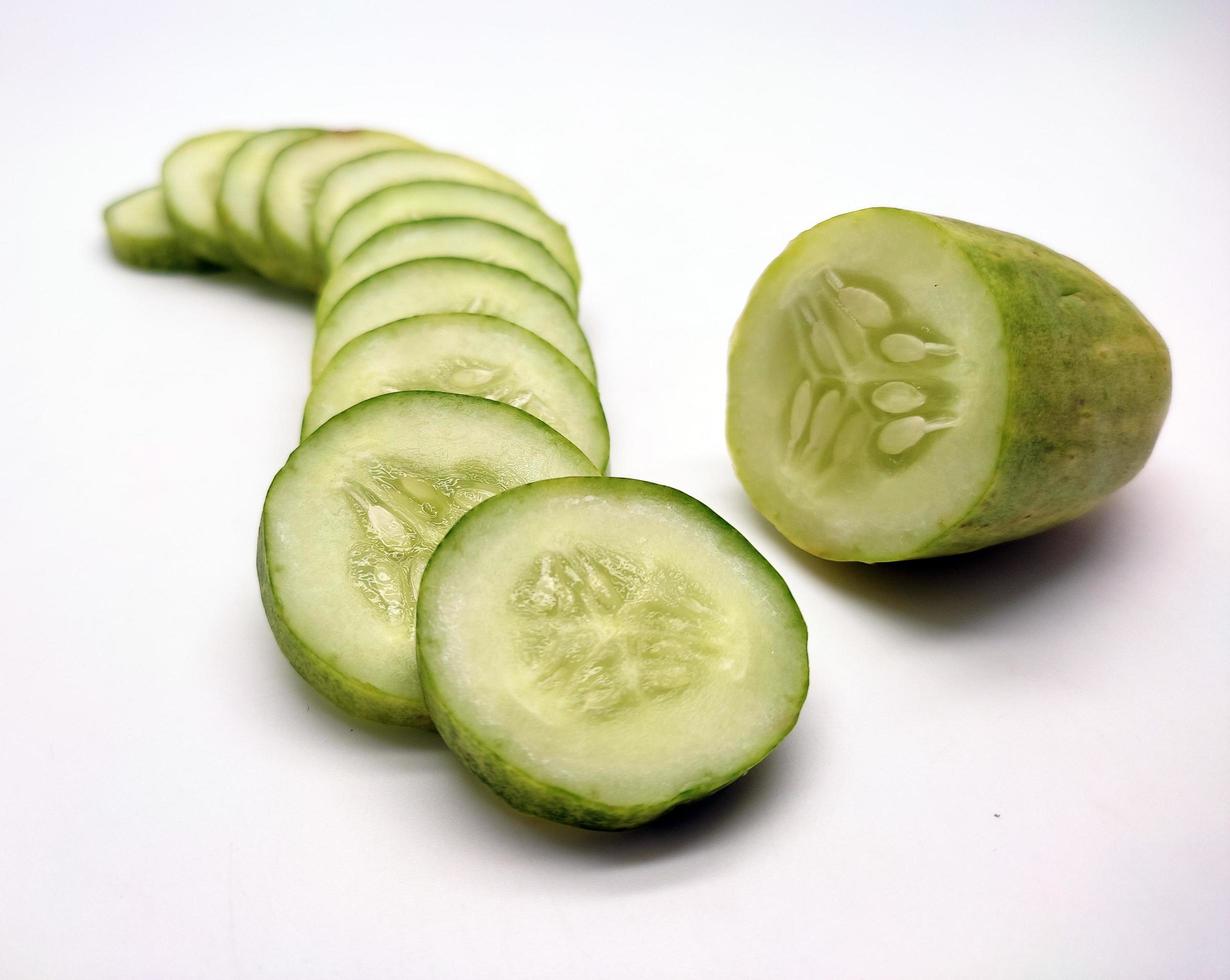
<point>1015,764</point>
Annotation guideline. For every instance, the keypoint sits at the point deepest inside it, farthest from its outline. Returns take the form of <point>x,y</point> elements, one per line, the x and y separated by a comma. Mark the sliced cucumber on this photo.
<point>431,199</point>
<point>293,184</point>
<point>239,198</point>
<point>451,286</point>
<point>468,355</point>
<point>599,650</point>
<point>140,234</point>
<point>352,517</point>
<point>191,176</point>
<point>460,238</point>
<point>350,183</point>
<point>903,385</point>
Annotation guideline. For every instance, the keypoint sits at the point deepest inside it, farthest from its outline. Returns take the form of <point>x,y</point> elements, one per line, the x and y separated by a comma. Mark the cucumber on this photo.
<point>601,650</point>
<point>468,355</point>
<point>437,199</point>
<point>191,176</point>
<point>903,385</point>
<point>352,517</point>
<point>293,184</point>
<point>239,199</point>
<point>460,238</point>
<point>451,286</point>
<point>352,182</point>
<point>141,235</point>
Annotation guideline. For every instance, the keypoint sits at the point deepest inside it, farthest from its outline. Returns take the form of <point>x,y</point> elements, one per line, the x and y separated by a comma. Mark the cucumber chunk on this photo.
<point>601,650</point>
<point>451,286</point>
<point>191,176</point>
<point>293,185</point>
<point>468,355</point>
<point>141,235</point>
<point>902,385</point>
<point>239,199</point>
<point>459,238</point>
<point>436,199</point>
<point>352,517</point>
<point>350,183</point>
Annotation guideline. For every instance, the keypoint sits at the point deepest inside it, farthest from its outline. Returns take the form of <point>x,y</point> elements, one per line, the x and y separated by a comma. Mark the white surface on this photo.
<point>1011,765</point>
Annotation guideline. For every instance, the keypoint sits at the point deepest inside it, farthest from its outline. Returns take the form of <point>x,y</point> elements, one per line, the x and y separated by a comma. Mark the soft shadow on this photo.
<point>263,289</point>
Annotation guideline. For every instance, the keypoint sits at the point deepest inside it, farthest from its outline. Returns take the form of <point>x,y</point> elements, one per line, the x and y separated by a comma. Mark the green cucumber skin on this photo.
<point>352,696</point>
<point>530,795</point>
<point>1089,387</point>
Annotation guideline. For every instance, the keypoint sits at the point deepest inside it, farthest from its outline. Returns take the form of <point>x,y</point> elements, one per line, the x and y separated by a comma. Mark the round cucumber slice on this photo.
<point>352,517</point>
<point>291,189</point>
<point>191,176</point>
<point>601,650</point>
<point>468,355</point>
<point>141,235</point>
<point>460,238</point>
<point>352,182</point>
<point>239,199</point>
<point>902,385</point>
<point>436,199</point>
<point>451,286</point>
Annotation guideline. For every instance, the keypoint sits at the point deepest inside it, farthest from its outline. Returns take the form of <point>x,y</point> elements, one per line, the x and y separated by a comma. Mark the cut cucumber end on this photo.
<point>601,650</point>
<point>140,234</point>
<point>191,178</point>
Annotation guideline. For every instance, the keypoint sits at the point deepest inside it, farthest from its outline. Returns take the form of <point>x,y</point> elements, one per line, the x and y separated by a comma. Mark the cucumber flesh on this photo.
<point>902,385</point>
<point>352,517</point>
<point>601,650</point>
<point>468,355</point>
<point>141,235</point>
<point>191,176</point>
<point>239,199</point>
<point>459,238</point>
<point>293,184</point>
<point>451,286</point>
<point>350,183</point>
<point>435,199</point>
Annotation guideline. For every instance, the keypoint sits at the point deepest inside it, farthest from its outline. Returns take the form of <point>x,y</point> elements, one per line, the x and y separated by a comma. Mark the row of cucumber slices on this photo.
<point>442,550</point>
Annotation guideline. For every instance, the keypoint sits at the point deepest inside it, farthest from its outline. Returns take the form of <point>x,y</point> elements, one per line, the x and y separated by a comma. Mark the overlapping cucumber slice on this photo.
<point>469,355</point>
<point>140,234</point>
<point>600,650</point>
<point>902,385</point>
<point>191,177</point>
<point>351,519</point>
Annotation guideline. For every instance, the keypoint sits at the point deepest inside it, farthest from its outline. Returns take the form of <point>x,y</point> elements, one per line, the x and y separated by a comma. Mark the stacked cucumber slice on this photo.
<point>597,650</point>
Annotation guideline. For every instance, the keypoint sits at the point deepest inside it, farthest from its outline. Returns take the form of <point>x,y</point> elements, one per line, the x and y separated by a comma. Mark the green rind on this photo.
<point>148,244</point>
<point>517,787</point>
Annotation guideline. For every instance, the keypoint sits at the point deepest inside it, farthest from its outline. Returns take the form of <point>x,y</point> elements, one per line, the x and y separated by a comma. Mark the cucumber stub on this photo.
<point>140,234</point>
<point>601,650</point>
<point>903,385</point>
<point>351,519</point>
<point>468,355</point>
<point>191,177</point>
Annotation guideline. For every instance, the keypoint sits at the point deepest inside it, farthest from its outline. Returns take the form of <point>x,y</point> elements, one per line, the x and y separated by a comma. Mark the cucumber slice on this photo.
<point>903,385</point>
<point>191,176</point>
<point>239,199</point>
<point>460,238</point>
<point>599,650</point>
<point>141,235</point>
<point>451,286</point>
<point>433,199</point>
<point>352,517</point>
<point>350,183</point>
<point>468,355</point>
<point>293,184</point>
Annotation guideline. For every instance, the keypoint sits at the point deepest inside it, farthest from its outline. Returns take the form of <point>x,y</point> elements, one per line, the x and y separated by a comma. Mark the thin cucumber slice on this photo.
<point>352,182</point>
<point>468,355</point>
<point>352,518</point>
<point>599,650</point>
<point>459,238</point>
<point>191,176</point>
<point>294,182</point>
<point>239,199</point>
<point>902,385</point>
<point>451,286</point>
<point>433,199</point>
<point>141,235</point>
